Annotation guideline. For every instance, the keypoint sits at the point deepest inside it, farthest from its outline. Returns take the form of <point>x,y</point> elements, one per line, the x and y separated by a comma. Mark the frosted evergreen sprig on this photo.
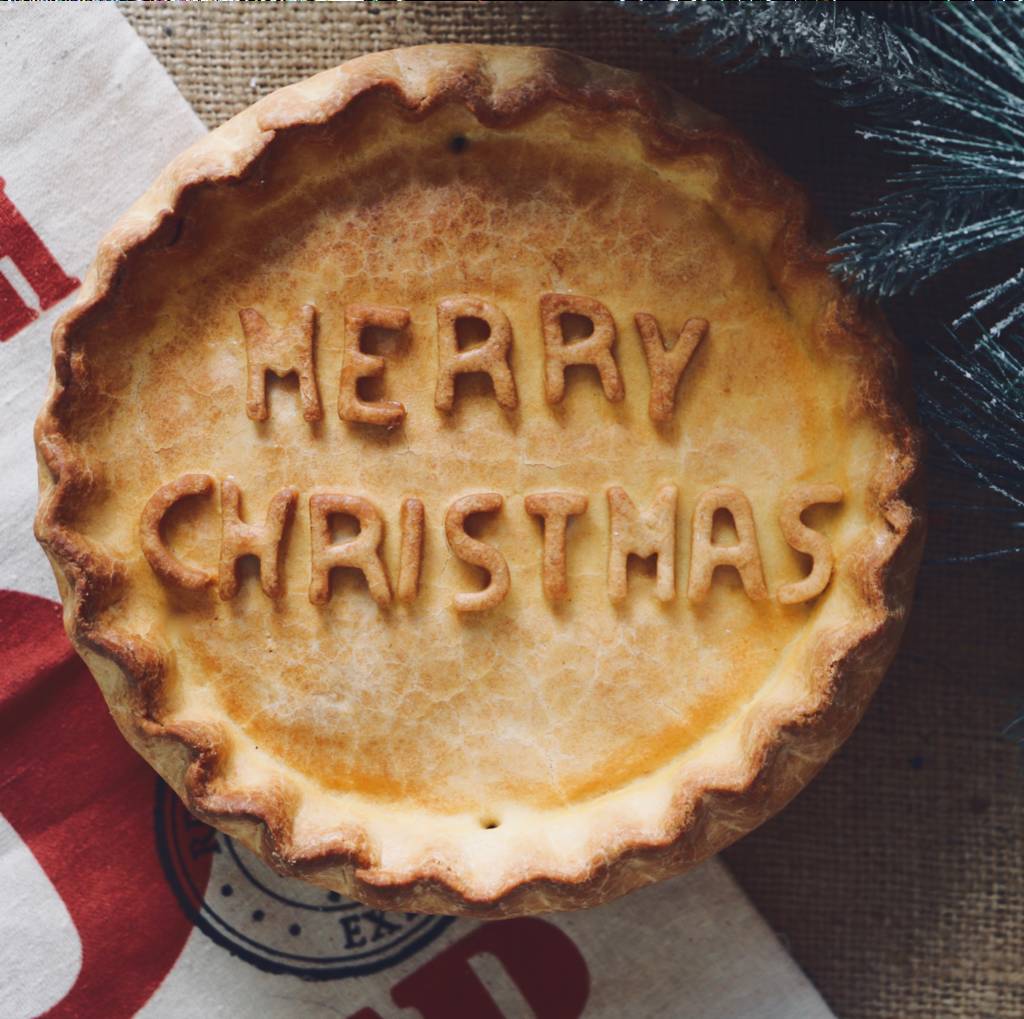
<point>860,57</point>
<point>963,193</point>
<point>998,298</point>
<point>974,405</point>
<point>913,235</point>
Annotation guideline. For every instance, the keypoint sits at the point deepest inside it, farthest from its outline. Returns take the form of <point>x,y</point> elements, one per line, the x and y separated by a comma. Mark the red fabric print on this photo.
<point>82,800</point>
<point>20,243</point>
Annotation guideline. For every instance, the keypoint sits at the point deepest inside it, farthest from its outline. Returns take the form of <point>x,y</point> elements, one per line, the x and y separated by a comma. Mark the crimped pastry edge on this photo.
<point>783,749</point>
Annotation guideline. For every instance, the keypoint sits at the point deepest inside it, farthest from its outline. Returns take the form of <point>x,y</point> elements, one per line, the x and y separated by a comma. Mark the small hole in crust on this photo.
<point>458,144</point>
<point>489,822</point>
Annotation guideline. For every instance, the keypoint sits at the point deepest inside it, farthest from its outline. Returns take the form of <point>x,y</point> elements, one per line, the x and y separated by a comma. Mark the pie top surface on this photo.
<point>577,504</point>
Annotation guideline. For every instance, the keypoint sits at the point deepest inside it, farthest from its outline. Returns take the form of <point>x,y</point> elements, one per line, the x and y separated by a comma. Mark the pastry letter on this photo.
<point>281,352</point>
<point>477,553</point>
<point>805,539</point>
<point>360,552</point>
<point>410,555</point>
<point>491,356</point>
<point>595,349</point>
<point>555,508</point>
<point>666,367</point>
<point>240,539</point>
<point>164,563</point>
<point>360,365</point>
<point>652,532</point>
<point>705,556</point>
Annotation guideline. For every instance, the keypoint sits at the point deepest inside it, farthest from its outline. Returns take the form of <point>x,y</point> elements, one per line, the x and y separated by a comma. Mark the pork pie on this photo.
<point>469,486</point>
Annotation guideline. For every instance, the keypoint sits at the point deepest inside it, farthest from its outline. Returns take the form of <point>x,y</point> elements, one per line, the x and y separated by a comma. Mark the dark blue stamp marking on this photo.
<point>278,924</point>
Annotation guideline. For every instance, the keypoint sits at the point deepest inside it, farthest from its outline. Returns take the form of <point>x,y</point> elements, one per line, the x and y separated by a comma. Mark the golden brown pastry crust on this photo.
<point>782,748</point>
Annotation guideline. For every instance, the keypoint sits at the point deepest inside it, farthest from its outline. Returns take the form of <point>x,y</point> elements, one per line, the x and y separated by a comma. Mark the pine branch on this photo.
<point>1000,298</point>
<point>974,403</point>
<point>860,57</point>
<point>911,236</point>
<point>963,193</point>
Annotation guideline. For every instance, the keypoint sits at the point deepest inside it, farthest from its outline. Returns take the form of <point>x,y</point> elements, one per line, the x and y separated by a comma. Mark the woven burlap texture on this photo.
<point>896,879</point>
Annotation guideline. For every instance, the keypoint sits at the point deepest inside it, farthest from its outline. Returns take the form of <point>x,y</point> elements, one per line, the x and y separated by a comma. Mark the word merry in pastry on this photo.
<point>632,530</point>
<point>289,351</point>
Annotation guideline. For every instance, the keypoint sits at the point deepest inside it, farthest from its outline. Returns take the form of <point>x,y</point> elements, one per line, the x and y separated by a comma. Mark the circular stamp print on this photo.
<point>277,924</point>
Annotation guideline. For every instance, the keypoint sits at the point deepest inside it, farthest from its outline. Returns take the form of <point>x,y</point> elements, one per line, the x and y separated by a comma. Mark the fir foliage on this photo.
<point>852,52</point>
<point>974,406</point>
<point>963,192</point>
